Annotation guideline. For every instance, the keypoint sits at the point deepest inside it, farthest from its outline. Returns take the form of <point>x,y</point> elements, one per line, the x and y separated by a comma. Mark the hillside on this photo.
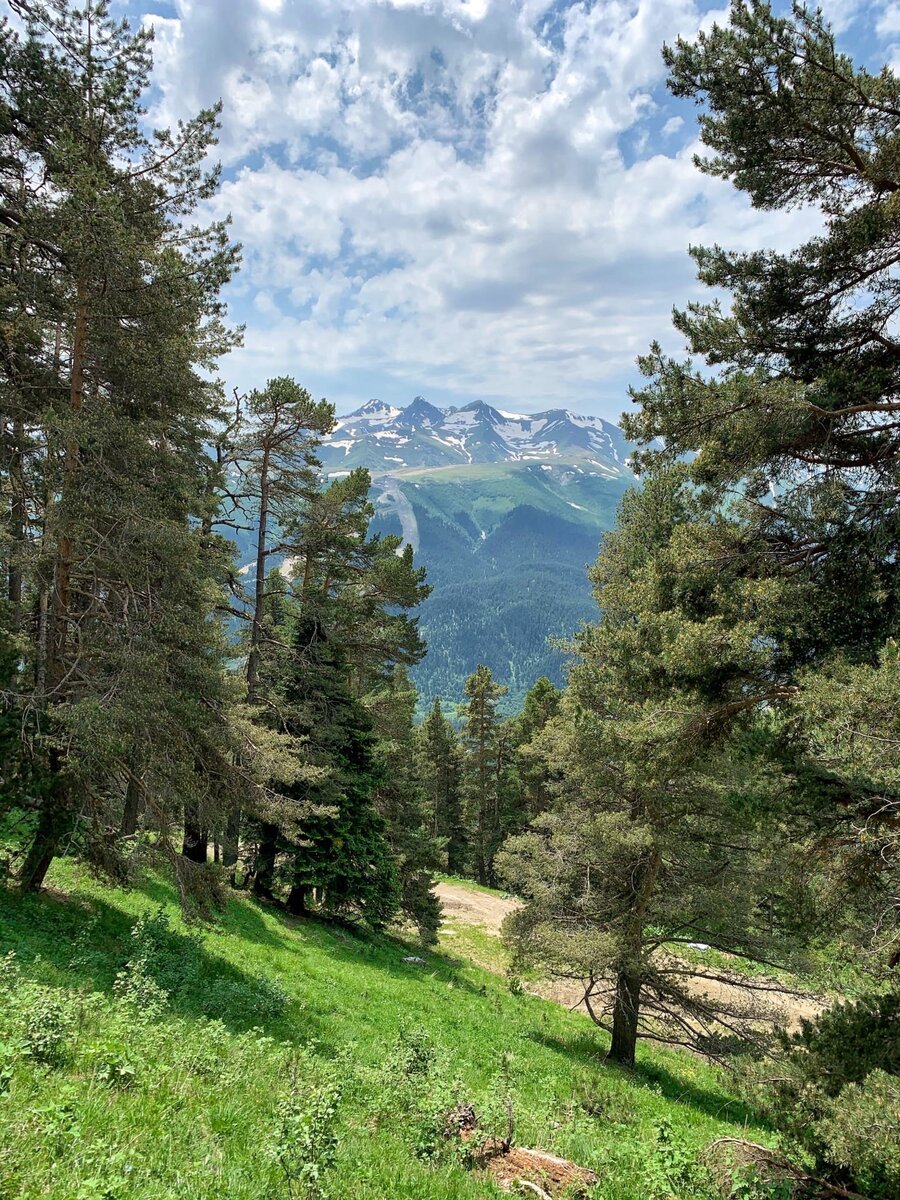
<point>505,511</point>
<point>107,1094</point>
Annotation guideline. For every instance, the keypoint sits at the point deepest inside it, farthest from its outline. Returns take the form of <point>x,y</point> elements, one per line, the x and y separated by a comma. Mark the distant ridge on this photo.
<point>381,436</point>
<point>505,510</point>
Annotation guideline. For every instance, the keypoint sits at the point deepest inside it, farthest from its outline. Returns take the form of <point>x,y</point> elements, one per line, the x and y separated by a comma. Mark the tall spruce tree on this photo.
<point>336,845</point>
<point>400,799</point>
<point>440,766</point>
<point>534,778</point>
<point>484,769</point>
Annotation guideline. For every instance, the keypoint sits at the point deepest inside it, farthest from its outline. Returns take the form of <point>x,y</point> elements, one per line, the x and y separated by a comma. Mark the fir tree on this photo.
<point>484,770</point>
<point>401,800</point>
<point>440,769</point>
<point>336,843</point>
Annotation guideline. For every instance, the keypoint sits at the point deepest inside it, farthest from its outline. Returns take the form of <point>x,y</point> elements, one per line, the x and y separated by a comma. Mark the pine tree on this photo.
<point>106,467</point>
<point>268,475</point>
<point>275,458</point>
<point>801,418</point>
<point>667,827</point>
<point>484,770</point>
<point>439,765</point>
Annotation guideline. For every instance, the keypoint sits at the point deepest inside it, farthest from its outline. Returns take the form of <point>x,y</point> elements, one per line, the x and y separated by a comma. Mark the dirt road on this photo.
<point>475,908</point>
<point>488,911</point>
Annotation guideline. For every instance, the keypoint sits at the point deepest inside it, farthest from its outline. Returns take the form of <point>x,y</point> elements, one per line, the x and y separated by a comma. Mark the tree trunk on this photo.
<point>630,975</point>
<point>132,810</point>
<point>196,841</point>
<point>625,1019</point>
<point>56,821</point>
<point>296,901</point>
<point>264,878</point>
<point>57,818</point>
<point>231,839</point>
<point>17,514</point>
<point>259,595</point>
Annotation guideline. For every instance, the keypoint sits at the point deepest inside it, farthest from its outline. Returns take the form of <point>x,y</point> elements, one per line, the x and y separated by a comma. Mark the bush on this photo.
<point>831,1086</point>
<point>47,1023</point>
<point>304,1142</point>
<point>259,997</point>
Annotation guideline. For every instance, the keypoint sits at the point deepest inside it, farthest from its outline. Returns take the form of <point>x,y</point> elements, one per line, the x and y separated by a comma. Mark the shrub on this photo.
<point>258,997</point>
<point>46,1027</point>
<point>829,1090</point>
<point>304,1141</point>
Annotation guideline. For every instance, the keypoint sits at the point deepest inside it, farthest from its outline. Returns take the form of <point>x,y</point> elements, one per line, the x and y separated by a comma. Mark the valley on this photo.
<point>505,511</point>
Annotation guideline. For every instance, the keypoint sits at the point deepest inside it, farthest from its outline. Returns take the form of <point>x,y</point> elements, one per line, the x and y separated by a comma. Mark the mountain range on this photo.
<point>505,511</point>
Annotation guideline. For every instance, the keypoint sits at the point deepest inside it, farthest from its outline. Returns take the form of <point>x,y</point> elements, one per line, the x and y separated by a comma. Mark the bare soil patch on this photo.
<point>481,908</point>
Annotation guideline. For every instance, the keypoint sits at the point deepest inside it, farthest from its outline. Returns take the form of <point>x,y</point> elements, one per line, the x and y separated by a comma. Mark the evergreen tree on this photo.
<point>484,769</point>
<point>400,798</point>
<point>801,421</point>
<point>667,828</point>
<point>116,319</point>
<point>268,476</point>
<point>534,777</point>
<point>335,837</point>
<point>439,765</point>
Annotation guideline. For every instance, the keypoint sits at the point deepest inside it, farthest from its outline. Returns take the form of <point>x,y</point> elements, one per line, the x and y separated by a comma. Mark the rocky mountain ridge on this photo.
<point>380,436</point>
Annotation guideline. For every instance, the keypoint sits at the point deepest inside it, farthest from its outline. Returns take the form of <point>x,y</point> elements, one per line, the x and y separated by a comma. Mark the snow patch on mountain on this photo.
<point>424,436</point>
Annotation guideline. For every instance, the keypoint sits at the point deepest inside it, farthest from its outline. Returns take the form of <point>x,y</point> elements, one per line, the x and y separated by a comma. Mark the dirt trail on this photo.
<point>475,908</point>
<point>487,910</point>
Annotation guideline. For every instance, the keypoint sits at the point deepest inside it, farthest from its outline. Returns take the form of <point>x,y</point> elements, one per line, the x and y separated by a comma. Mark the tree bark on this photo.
<point>132,808</point>
<point>296,901</point>
<point>264,877</point>
<point>231,839</point>
<point>196,840</point>
<point>17,512</point>
<point>57,817</point>
<point>625,1019</point>
<point>630,977</point>
<point>259,595</point>
<point>55,822</point>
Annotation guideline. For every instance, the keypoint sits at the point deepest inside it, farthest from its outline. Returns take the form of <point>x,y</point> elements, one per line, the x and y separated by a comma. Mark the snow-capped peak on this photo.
<point>423,435</point>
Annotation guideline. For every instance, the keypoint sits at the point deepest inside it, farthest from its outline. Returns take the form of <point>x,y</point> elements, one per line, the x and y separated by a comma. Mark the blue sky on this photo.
<point>467,199</point>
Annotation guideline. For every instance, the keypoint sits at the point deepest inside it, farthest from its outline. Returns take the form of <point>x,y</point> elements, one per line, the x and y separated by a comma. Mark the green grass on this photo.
<point>101,1099</point>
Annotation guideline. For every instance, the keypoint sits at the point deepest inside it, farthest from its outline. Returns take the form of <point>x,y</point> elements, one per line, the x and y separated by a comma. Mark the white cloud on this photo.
<point>843,13</point>
<point>462,195</point>
<point>888,22</point>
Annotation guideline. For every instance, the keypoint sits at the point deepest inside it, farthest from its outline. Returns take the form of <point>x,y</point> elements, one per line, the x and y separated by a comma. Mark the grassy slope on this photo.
<point>489,491</point>
<point>208,1074</point>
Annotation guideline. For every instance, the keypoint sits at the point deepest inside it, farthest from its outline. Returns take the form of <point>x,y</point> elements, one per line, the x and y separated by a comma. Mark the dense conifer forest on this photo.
<point>226,829</point>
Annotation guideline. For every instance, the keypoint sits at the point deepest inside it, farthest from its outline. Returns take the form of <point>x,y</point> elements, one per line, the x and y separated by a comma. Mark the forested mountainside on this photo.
<point>505,511</point>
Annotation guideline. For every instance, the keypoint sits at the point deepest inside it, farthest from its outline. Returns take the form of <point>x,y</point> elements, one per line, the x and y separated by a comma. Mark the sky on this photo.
<point>464,199</point>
